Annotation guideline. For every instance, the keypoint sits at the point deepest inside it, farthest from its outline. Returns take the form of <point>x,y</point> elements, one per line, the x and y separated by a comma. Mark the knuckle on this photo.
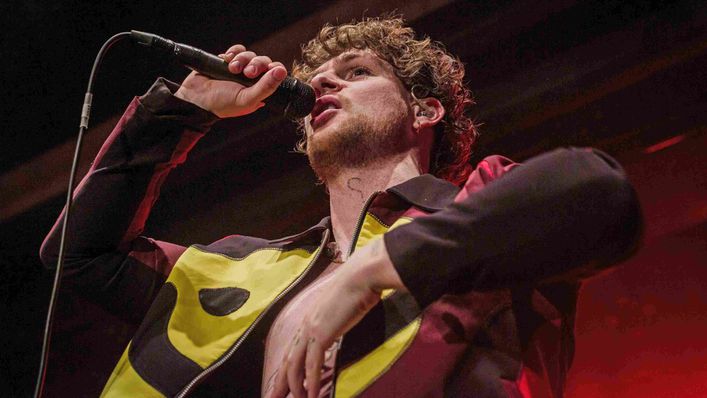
<point>259,64</point>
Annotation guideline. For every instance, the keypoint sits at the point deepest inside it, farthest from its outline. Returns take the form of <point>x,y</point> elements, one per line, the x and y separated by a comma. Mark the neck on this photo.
<point>350,188</point>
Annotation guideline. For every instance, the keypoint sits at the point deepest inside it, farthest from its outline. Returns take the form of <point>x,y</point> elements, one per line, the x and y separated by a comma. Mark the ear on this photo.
<point>428,112</point>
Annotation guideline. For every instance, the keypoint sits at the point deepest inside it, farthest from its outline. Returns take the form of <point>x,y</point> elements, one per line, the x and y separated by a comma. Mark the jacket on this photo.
<point>493,270</point>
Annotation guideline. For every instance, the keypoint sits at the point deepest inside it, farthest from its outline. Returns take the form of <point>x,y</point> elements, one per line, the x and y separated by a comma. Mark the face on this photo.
<point>362,114</point>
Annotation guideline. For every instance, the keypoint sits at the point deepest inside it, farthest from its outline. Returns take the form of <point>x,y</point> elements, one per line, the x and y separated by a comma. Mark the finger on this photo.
<point>232,52</point>
<point>240,61</point>
<point>313,367</point>
<point>263,88</point>
<point>236,49</point>
<point>295,370</point>
<point>274,64</point>
<point>256,66</point>
<point>279,387</point>
<point>228,57</point>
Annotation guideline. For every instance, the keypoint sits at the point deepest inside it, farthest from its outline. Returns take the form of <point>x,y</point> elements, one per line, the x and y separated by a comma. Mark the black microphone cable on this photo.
<point>83,126</point>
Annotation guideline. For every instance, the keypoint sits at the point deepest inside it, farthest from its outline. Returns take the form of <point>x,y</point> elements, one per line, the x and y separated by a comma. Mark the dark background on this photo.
<point>628,77</point>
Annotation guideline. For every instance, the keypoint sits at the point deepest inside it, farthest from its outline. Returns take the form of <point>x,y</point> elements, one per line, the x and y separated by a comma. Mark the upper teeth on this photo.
<point>328,106</point>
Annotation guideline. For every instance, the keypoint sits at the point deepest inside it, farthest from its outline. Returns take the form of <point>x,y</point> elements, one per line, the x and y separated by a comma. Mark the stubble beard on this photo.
<point>359,142</point>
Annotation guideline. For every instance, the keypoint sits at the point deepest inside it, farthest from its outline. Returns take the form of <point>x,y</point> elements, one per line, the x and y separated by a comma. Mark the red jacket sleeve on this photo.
<point>106,258</point>
<point>563,215</point>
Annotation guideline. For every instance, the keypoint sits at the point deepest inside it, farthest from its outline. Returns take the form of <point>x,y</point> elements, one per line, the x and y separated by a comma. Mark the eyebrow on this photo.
<point>347,57</point>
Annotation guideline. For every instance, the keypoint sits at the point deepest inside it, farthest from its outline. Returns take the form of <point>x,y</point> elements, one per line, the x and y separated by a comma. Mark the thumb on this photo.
<point>265,86</point>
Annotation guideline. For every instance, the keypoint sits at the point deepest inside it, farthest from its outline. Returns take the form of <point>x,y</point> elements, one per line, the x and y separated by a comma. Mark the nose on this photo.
<point>323,83</point>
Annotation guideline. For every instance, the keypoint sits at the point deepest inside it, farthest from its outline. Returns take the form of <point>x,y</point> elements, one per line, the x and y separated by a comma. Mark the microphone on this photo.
<point>294,97</point>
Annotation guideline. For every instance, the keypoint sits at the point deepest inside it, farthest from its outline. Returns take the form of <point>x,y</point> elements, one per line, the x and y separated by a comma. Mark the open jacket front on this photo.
<point>493,272</point>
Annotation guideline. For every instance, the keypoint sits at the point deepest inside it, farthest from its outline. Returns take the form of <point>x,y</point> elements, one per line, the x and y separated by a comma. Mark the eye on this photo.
<point>359,71</point>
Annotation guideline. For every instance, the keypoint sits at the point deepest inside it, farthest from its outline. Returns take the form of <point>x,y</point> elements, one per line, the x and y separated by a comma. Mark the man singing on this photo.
<point>427,279</point>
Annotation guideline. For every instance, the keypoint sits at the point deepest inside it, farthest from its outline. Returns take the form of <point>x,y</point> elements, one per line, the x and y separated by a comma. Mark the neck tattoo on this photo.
<point>354,181</point>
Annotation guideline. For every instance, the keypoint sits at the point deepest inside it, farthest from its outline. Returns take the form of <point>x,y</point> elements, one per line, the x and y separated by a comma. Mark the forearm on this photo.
<point>372,267</point>
<point>105,259</point>
<point>565,214</point>
<point>154,136</point>
<point>113,201</point>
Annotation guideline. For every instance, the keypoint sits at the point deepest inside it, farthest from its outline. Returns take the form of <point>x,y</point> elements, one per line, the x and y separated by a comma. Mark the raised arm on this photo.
<point>106,258</point>
<point>563,215</point>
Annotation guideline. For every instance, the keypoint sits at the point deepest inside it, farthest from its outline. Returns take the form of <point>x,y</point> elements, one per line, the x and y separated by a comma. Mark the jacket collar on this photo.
<point>426,192</point>
<point>317,229</point>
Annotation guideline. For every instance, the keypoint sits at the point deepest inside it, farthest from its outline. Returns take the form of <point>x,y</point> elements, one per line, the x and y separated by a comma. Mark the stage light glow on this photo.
<point>664,144</point>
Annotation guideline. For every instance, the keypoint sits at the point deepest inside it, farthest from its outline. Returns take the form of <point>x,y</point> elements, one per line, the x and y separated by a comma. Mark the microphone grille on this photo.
<point>301,101</point>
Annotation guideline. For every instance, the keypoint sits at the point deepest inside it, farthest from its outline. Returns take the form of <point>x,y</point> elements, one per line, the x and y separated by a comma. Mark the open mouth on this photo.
<point>324,108</point>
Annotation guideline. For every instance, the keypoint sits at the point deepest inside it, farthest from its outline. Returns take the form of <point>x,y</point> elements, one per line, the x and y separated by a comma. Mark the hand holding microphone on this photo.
<point>238,82</point>
<point>231,99</point>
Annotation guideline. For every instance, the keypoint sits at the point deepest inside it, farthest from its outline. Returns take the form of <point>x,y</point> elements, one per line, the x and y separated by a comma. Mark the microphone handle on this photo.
<point>294,97</point>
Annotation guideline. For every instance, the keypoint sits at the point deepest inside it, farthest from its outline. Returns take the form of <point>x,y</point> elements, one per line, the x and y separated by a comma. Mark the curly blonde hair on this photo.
<point>423,66</point>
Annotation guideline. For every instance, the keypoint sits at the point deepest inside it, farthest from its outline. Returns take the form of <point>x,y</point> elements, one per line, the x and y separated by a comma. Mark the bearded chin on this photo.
<point>357,143</point>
